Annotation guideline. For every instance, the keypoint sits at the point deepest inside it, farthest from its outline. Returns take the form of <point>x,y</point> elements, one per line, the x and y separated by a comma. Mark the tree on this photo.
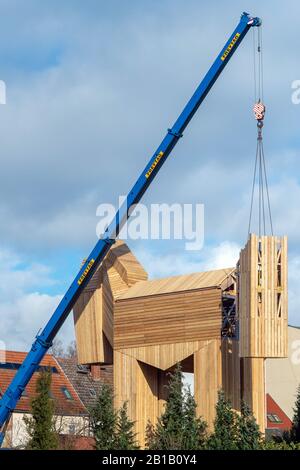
<point>125,438</point>
<point>71,350</point>
<point>58,349</point>
<point>225,433</point>
<point>150,441</point>
<point>40,426</point>
<point>103,420</point>
<point>249,436</point>
<point>177,427</point>
<point>168,432</point>
<point>272,444</point>
<point>295,431</point>
<point>194,431</point>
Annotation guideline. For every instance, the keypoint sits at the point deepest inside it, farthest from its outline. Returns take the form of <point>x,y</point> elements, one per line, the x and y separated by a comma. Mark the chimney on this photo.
<point>96,371</point>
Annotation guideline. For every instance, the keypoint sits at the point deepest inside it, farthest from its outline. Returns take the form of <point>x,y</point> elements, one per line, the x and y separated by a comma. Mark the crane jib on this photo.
<point>230,47</point>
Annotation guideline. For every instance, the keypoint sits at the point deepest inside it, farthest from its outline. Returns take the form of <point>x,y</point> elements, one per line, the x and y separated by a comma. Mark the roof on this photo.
<point>201,280</point>
<point>276,417</point>
<point>87,388</point>
<point>63,405</point>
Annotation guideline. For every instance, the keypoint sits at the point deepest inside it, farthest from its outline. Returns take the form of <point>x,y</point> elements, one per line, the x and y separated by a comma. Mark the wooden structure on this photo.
<point>160,323</point>
<point>145,327</point>
<point>262,307</point>
<point>263,297</point>
<point>93,312</point>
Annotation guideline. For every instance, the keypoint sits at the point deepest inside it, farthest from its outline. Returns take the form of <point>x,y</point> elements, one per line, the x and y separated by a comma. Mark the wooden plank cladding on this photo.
<point>262,297</point>
<point>144,389</point>
<point>168,318</point>
<point>168,285</point>
<point>94,310</point>
<point>144,386</point>
<point>231,383</point>
<point>164,356</point>
<point>208,379</point>
<point>254,388</point>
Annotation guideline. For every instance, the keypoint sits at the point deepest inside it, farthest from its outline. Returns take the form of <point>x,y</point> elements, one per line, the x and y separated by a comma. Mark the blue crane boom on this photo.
<point>43,340</point>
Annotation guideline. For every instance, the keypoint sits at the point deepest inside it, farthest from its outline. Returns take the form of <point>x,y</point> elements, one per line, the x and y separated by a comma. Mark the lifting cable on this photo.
<point>260,172</point>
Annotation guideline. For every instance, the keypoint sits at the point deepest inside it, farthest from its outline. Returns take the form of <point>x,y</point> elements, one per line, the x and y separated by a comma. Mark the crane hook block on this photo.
<point>259,110</point>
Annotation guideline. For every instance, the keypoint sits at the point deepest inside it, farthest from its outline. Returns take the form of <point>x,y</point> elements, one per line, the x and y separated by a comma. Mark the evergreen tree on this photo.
<point>194,431</point>
<point>150,441</point>
<point>295,431</point>
<point>40,426</point>
<point>249,436</point>
<point>178,427</point>
<point>103,420</point>
<point>225,434</point>
<point>125,436</point>
<point>170,425</point>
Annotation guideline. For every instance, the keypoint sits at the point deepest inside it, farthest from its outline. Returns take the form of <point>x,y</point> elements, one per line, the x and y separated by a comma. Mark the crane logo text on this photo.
<point>85,272</point>
<point>154,164</point>
<point>231,45</point>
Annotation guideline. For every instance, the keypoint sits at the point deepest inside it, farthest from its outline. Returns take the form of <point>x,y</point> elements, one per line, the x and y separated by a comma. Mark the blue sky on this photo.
<point>91,89</point>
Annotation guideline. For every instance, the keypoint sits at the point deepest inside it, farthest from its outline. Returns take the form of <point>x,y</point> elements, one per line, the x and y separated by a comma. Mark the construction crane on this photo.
<point>44,339</point>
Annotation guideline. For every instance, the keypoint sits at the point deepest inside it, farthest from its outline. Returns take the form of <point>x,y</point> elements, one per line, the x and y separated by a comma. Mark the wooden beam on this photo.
<point>253,388</point>
<point>164,356</point>
<point>231,372</point>
<point>143,387</point>
<point>262,297</point>
<point>208,379</point>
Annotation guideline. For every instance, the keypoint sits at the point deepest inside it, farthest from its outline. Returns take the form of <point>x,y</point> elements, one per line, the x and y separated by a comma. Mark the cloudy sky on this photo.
<point>91,89</point>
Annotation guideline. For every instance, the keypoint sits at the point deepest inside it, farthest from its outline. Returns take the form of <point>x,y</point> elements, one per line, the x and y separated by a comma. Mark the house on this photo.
<point>283,375</point>
<point>86,380</point>
<point>70,411</point>
<point>277,420</point>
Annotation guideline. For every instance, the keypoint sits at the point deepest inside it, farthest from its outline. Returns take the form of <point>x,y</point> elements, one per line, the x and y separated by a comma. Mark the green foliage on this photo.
<point>295,431</point>
<point>150,441</point>
<point>40,426</point>
<point>225,435</point>
<point>194,430</point>
<point>125,438</point>
<point>112,430</point>
<point>272,444</point>
<point>248,434</point>
<point>233,431</point>
<point>103,420</point>
<point>178,427</point>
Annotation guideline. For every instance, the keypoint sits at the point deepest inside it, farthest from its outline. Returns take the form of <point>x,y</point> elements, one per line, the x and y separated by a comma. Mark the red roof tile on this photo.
<point>274,409</point>
<point>63,405</point>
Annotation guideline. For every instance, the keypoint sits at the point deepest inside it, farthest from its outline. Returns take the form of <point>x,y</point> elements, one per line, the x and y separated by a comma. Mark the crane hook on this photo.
<point>259,110</point>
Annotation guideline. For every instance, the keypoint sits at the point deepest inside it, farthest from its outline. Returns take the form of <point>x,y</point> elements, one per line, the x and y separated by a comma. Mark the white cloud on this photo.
<point>23,309</point>
<point>224,255</point>
<point>91,92</point>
